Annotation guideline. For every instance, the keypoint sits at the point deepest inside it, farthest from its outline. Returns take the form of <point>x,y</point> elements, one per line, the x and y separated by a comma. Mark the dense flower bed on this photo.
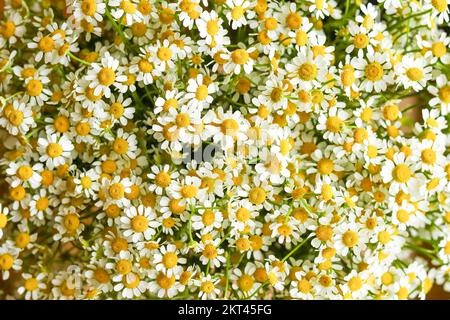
<point>233,149</point>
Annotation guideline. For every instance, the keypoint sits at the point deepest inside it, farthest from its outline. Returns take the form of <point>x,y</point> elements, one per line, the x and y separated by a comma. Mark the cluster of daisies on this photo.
<point>224,149</point>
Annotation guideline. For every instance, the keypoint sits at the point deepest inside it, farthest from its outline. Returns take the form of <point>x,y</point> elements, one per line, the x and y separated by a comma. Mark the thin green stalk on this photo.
<point>301,244</point>
<point>227,280</point>
<point>74,57</point>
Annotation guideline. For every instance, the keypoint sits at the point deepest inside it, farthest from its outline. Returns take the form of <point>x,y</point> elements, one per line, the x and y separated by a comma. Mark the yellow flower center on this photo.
<point>210,251</point>
<point>239,56</point>
<point>164,54</point>
<point>229,127</point>
<point>307,71</point>
<point>212,27</point>
<point>120,146</point>
<point>145,66</point>
<point>106,76</point>
<point>327,192</point>
<point>304,286</point>
<point>46,44</point>
<point>374,71</point>
<point>360,41</point>
<point>325,281</point>
<point>139,223</point>
<point>201,93</point>
<point>15,117</point>
<point>170,260</point>
<point>89,7</point>
<point>271,23</point>
<point>414,74</point>
<point>9,28</point>
<point>164,281</point>
<point>31,284</point>
<point>403,215</point>
<point>324,233</point>
<point>6,261</point>
<point>182,120</point>
<point>71,222</point>
<point>325,166</point>
<point>123,266</point>
<point>116,191</point>
<point>293,20</point>
<point>17,193</point>
<point>127,7</point>
<point>284,230</point>
<point>34,87</point>
<point>439,5</point>
<point>208,217</point>
<point>355,284</point>
<point>444,94</point>
<point>207,287</point>
<point>116,110</point>
<point>348,77</point>
<point>237,12</point>
<point>3,220</point>
<point>24,172</point>
<point>301,38</point>
<point>447,248</point>
<point>428,156</point>
<point>350,238</point>
<point>384,237</point>
<point>138,29</point>
<point>61,124</point>
<point>54,150</point>
<point>372,151</point>
<point>163,179</point>
<point>276,94</point>
<point>189,191</point>
<point>368,22</point>
<point>320,4</point>
<point>91,96</point>
<point>334,124</point>
<point>167,15</point>
<point>83,128</point>
<point>401,173</point>
<point>243,214</point>
<point>438,49</point>
<point>257,195</point>
<point>387,278</point>
<point>245,283</point>
<point>131,281</point>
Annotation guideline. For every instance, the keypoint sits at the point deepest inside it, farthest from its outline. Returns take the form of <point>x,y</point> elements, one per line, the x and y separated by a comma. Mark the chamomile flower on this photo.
<point>412,73</point>
<point>33,287</point>
<point>374,72</point>
<point>17,118</point>
<point>239,59</point>
<point>12,29</point>
<point>398,172</point>
<point>238,13</point>
<point>102,76</point>
<point>441,93</point>
<point>199,92</point>
<point>306,68</point>
<point>208,287</point>
<point>125,10</point>
<point>168,261</point>
<point>55,150</point>
<point>139,223</point>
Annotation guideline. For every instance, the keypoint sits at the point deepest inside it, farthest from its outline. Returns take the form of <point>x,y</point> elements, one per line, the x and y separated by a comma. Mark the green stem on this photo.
<point>74,57</point>
<point>227,280</point>
<point>295,249</point>
<point>118,29</point>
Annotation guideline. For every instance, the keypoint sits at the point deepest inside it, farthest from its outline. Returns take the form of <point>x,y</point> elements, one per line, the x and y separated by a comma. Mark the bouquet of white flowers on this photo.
<point>224,149</point>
